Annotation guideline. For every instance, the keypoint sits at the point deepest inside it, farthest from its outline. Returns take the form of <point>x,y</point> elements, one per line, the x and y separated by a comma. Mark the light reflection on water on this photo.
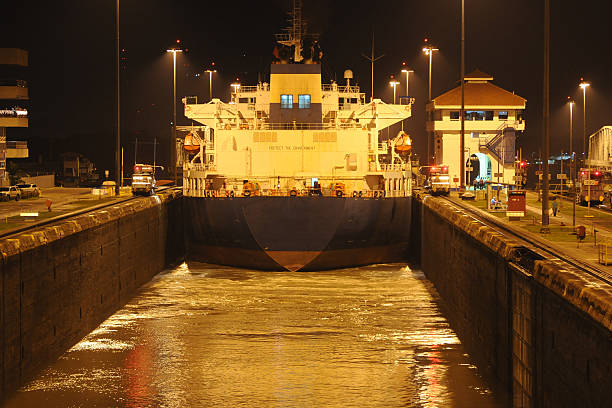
<point>217,336</point>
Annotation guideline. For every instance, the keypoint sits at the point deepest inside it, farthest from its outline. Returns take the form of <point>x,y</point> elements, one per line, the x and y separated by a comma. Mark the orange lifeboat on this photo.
<point>403,144</point>
<point>191,142</point>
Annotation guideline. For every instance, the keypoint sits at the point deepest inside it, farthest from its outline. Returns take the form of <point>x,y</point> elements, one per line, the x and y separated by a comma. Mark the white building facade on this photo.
<point>493,117</point>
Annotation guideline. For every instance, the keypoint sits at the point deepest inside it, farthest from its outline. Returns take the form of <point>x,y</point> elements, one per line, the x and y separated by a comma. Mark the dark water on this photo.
<point>208,336</point>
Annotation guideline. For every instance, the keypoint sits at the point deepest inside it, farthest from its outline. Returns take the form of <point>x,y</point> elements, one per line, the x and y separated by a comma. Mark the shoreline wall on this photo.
<point>59,282</point>
<point>536,326</point>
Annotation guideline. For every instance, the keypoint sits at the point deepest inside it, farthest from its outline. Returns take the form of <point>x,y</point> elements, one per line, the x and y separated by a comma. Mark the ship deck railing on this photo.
<point>290,126</point>
<point>308,192</point>
<point>341,88</point>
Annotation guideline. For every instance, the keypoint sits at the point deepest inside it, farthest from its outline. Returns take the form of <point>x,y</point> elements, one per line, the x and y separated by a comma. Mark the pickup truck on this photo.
<point>29,190</point>
<point>10,193</point>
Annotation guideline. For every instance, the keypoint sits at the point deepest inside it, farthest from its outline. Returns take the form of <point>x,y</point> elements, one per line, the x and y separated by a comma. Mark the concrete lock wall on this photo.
<point>59,282</point>
<point>538,327</point>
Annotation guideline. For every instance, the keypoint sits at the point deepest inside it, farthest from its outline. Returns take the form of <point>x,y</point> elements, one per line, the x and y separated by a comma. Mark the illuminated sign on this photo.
<point>14,112</point>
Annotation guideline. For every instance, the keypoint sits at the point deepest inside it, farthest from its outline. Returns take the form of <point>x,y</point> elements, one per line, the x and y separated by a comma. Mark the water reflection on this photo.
<point>215,336</point>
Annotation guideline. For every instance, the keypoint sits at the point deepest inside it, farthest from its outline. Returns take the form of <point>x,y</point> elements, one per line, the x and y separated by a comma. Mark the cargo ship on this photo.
<point>296,174</point>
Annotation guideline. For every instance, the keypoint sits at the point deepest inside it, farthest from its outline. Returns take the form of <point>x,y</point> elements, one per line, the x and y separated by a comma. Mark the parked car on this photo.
<point>29,190</point>
<point>10,193</point>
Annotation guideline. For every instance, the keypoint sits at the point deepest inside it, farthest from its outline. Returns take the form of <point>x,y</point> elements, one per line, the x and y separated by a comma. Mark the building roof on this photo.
<point>478,75</point>
<point>479,92</point>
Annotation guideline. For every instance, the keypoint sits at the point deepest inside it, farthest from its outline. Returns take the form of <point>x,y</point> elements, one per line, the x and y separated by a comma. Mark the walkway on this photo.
<point>562,236</point>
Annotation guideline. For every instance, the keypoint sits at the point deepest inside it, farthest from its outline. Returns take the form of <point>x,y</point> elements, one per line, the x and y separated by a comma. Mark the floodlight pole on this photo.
<point>462,112</point>
<point>118,138</point>
<point>573,161</point>
<point>545,229</point>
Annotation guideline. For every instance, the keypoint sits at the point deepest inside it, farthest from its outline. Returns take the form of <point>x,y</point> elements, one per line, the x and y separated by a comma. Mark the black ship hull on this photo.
<point>297,233</point>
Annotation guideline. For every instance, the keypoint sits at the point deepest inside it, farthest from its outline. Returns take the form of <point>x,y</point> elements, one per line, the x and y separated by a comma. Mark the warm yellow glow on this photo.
<point>174,50</point>
<point>208,71</point>
<point>393,83</point>
<point>584,85</point>
<point>407,70</point>
<point>429,49</point>
<point>236,86</point>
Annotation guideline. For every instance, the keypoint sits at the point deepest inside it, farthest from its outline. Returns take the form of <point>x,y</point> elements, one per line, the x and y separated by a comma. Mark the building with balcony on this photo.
<point>493,117</point>
<point>13,105</point>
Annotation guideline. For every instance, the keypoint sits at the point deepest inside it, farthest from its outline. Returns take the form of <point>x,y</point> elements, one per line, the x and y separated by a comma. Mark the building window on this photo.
<point>502,115</point>
<point>454,115</point>
<point>474,115</point>
<point>304,101</point>
<point>478,115</point>
<point>286,101</point>
<point>475,135</point>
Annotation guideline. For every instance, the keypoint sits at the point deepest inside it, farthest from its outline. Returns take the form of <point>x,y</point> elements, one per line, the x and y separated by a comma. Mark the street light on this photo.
<point>429,49</point>
<point>407,72</point>
<point>118,136</point>
<point>173,141</point>
<point>236,86</point>
<point>573,161</point>
<point>584,85</point>
<point>394,84</point>
<point>210,72</point>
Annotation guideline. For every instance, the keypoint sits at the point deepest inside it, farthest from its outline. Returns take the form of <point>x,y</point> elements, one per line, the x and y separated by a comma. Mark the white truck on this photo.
<point>143,179</point>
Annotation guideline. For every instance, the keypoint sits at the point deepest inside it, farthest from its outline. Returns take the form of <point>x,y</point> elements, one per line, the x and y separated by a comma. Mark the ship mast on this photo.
<point>295,34</point>
<point>372,60</point>
<point>293,37</point>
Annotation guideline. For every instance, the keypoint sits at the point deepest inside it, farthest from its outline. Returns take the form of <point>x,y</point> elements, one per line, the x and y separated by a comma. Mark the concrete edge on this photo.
<point>584,291</point>
<point>496,242</point>
<point>28,240</point>
<point>580,289</point>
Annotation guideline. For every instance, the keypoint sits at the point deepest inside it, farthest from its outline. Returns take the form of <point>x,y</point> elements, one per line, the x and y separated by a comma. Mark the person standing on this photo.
<point>555,207</point>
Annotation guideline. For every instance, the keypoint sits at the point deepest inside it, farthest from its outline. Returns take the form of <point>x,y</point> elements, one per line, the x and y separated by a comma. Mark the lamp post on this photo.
<point>394,84</point>
<point>210,72</point>
<point>584,85</point>
<point>173,141</point>
<point>407,72</point>
<point>118,139</point>
<point>545,229</point>
<point>428,50</point>
<point>235,87</point>
<point>573,161</point>
<point>462,111</point>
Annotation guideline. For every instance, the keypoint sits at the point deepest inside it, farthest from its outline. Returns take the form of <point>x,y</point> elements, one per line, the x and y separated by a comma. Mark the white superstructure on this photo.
<point>241,142</point>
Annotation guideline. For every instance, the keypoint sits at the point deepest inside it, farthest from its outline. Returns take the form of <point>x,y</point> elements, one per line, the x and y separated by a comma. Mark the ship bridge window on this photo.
<point>304,101</point>
<point>286,101</point>
<point>503,115</point>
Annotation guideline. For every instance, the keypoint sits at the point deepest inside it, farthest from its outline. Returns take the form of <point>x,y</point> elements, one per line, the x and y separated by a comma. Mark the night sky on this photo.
<point>72,60</point>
